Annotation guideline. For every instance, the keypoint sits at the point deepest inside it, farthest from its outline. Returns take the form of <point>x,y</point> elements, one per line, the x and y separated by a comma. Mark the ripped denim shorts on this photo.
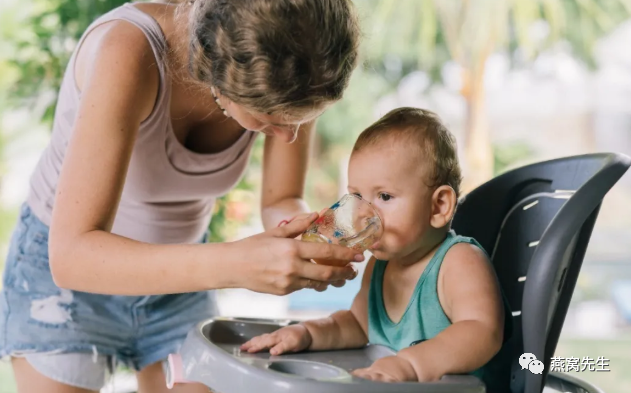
<point>43,322</point>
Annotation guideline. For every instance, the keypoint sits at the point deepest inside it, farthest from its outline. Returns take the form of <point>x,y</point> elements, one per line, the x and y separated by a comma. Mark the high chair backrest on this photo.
<point>535,222</point>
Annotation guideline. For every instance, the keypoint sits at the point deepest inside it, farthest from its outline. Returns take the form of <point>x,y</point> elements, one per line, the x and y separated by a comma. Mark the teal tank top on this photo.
<point>424,317</point>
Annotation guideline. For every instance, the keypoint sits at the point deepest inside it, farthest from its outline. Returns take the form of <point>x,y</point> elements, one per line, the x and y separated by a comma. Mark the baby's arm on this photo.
<point>470,295</point>
<point>342,330</point>
<point>347,328</point>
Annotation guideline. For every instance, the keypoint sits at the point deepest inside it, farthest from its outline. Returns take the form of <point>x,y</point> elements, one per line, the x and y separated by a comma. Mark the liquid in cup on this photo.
<point>351,222</point>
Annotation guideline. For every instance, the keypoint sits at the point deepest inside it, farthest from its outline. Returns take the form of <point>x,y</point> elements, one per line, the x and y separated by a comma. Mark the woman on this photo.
<point>157,113</point>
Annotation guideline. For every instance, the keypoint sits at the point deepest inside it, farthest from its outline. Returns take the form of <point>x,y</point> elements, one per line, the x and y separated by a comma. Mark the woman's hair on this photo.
<point>425,132</point>
<point>274,56</point>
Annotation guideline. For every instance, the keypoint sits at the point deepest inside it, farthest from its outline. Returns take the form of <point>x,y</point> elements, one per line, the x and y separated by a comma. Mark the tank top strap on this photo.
<point>433,267</point>
<point>153,32</point>
<point>427,287</point>
<point>146,23</point>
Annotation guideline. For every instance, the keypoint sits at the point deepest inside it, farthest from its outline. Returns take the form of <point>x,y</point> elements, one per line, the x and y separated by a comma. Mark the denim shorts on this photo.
<point>74,337</point>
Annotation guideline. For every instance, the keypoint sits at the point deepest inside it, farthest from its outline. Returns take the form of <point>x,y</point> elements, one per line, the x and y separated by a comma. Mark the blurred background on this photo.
<point>517,81</point>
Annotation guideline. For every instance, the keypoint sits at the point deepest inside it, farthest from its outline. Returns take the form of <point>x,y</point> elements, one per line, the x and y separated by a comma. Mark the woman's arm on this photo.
<point>284,172</point>
<point>118,79</point>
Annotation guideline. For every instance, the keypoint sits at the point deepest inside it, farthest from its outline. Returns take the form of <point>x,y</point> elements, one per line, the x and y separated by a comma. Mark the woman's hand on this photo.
<point>338,284</point>
<point>274,262</point>
<point>294,338</point>
<point>302,216</point>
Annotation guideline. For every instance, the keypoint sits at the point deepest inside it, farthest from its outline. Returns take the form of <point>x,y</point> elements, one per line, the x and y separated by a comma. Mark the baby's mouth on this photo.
<point>376,245</point>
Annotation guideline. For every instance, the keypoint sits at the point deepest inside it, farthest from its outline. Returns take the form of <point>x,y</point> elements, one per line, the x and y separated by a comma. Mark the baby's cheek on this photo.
<point>396,240</point>
<point>404,237</point>
<point>402,227</point>
<point>402,241</point>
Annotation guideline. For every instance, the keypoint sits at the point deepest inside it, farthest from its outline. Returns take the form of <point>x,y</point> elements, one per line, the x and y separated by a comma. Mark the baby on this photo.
<point>430,295</point>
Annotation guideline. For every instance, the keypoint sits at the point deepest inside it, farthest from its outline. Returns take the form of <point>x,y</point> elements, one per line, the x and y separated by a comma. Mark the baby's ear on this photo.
<point>443,206</point>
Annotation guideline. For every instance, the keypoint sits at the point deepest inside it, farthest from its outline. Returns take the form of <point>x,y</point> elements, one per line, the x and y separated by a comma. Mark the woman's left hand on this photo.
<point>301,216</point>
<point>337,284</point>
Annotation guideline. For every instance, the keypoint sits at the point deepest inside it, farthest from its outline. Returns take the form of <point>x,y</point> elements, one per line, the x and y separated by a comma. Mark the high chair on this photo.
<point>535,222</point>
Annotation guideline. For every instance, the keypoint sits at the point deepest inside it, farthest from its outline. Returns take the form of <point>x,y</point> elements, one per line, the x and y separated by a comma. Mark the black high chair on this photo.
<point>535,222</point>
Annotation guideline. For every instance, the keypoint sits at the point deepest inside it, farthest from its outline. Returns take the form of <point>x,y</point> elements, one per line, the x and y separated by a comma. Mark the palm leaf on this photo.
<point>466,29</point>
<point>524,14</point>
<point>556,18</point>
<point>427,33</point>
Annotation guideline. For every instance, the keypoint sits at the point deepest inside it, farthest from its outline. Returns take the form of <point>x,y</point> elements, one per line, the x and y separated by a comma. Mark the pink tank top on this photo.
<point>169,191</point>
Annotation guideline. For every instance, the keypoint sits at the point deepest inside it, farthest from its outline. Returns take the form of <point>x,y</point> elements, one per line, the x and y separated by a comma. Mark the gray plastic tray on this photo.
<point>210,355</point>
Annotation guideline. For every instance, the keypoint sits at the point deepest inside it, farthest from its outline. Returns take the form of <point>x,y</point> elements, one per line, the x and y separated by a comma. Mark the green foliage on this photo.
<point>7,382</point>
<point>10,18</point>
<point>43,44</point>
<point>405,31</point>
<point>342,123</point>
<point>229,212</point>
<point>511,154</point>
<point>432,32</point>
<point>582,22</point>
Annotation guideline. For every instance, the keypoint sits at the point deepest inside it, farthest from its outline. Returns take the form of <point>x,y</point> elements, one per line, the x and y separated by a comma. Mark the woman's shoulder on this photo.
<point>117,40</point>
<point>119,53</point>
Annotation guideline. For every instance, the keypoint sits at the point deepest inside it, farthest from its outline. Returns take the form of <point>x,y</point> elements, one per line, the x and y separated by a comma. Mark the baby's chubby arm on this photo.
<point>342,330</point>
<point>347,328</point>
<point>470,295</point>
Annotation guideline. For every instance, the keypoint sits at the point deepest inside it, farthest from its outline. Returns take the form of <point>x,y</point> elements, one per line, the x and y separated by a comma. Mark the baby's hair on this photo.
<point>274,56</point>
<point>424,130</point>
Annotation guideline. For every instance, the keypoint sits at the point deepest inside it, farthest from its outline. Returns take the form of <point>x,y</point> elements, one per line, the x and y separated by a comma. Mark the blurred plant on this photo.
<point>231,211</point>
<point>10,18</point>
<point>509,154</point>
<point>44,44</point>
<point>342,122</point>
<point>238,207</point>
<point>467,32</point>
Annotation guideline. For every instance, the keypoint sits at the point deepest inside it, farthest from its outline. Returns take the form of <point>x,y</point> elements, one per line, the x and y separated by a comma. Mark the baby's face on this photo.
<point>390,176</point>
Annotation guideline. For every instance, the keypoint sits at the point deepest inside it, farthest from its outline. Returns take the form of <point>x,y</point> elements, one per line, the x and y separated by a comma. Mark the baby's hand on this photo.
<point>294,338</point>
<point>388,369</point>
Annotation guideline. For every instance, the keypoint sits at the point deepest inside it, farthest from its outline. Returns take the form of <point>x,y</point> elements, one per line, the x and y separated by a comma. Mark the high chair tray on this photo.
<point>210,355</point>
